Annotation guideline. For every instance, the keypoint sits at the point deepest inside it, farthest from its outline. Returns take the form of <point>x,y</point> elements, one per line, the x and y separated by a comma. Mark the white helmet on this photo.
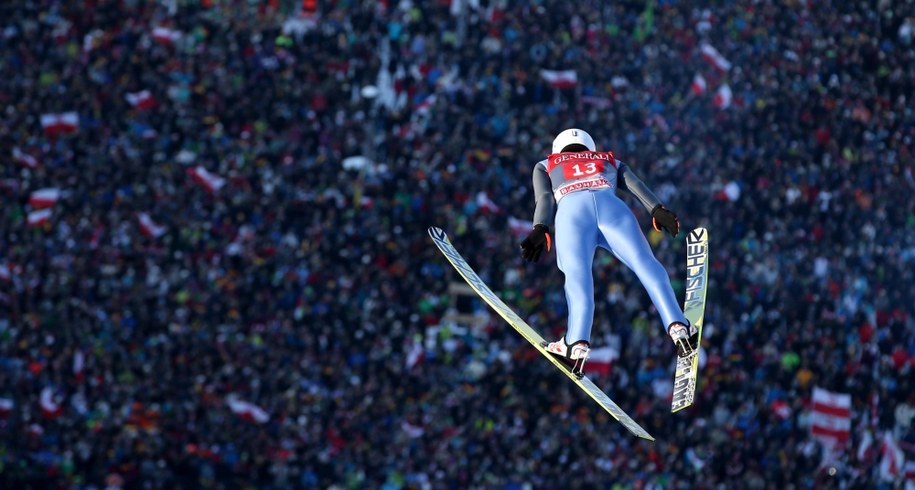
<point>573,136</point>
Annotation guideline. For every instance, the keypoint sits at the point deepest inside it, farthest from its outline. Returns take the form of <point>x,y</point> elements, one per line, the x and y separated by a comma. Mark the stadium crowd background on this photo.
<point>283,327</point>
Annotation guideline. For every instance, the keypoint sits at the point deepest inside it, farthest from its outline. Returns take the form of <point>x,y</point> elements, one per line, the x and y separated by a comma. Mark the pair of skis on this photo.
<point>687,369</point>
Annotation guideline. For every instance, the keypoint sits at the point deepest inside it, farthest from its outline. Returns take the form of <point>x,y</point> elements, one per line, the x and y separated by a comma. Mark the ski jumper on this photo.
<point>579,189</point>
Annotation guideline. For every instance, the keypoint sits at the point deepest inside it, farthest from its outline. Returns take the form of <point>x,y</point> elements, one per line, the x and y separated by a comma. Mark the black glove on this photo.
<point>662,217</point>
<point>533,245</point>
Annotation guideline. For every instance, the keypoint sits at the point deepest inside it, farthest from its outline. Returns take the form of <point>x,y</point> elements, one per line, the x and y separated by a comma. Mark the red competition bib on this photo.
<point>581,165</point>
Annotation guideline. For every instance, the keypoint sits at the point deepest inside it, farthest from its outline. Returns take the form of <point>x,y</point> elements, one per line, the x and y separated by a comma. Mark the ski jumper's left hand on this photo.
<point>662,217</point>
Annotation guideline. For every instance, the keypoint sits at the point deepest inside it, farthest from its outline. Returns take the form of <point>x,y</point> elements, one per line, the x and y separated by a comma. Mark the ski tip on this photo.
<point>698,234</point>
<point>437,233</point>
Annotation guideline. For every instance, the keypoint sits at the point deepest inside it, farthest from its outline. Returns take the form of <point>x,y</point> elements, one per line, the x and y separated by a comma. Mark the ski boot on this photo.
<point>685,338</point>
<point>574,355</point>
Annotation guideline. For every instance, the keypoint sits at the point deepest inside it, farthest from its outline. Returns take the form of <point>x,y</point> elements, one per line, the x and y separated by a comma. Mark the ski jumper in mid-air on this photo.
<point>575,188</point>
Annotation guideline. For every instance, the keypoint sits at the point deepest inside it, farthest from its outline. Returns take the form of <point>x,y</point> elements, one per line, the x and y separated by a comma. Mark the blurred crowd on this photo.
<point>227,282</point>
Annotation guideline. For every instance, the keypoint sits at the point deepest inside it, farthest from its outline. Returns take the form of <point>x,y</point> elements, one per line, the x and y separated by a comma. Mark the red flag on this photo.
<point>830,422</point>
<point>149,227</point>
<point>248,411</point>
<point>601,360</point>
<point>24,159</point>
<point>44,198</point>
<point>6,407</point>
<point>54,124</point>
<point>699,84</point>
<point>50,408</point>
<point>38,218</point>
<point>711,55</point>
<point>142,100</point>
<point>723,97</point>
<point>210,181</point>
<point>166,36</point>
<point>560,78</point>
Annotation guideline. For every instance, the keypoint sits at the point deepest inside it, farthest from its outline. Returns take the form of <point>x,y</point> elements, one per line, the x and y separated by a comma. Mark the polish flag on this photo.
<point>142,100</point>
<point>699,85</point>
<point>426,105</point>
<point>149,227</point>
<point>484,203</point>
<point>44,198</point>
<point>79,365</point>
<point>711,55</point>
<point>210,181</point>
<point>892,460</point>
<point>6,407</point>
<point>601,360</point>
<point>54,124</point>
<point>519,227</point>
<point>415,355</point>
<point>38,218</point>
<point>24,159</point>
<point>909,472</point>
<point>164,35</point>
<point>560,78</point>
<point>781,409</point>
<point>248,411</point>
<point>723,97</point>
<point>830,421</point>
<point>50,408</point>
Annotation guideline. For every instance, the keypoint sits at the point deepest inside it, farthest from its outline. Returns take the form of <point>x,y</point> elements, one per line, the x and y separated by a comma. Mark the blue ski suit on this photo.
<point>579,190</point>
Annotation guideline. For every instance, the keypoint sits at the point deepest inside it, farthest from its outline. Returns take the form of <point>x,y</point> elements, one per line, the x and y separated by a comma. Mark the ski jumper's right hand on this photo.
<point>662,217</point>
<point>538,239</point>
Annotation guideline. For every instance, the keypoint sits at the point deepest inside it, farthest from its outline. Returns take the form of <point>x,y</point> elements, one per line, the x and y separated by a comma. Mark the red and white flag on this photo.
<point>248,411</point>
<point>79,365</point>
<point>416,354</point>
<point>600,360</point>
<point>830,421</point>
<point>50,407</point>
<point>519,227</point>
<point>165,35</point>
<point>909,472</point>
<point>44,198</point>
<point>54,124</point>
<point>142,100</point>
<point>484,203</point>
<point>892,460</point>
<point>208,180</point>
<point>6,407</point>
<point>5,274</point>
<point>781,409</point>
<point>426,105</point>
<point>24,159</point>
<point>723,97</point>
<point>149,227</point>
<point>560,78</point>
<point>38,218</point>
<point>699,85</point>
<point>711,55</point>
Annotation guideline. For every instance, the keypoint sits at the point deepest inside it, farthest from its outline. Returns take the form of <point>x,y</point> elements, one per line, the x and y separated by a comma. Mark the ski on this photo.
<point>687,371</point>
<point>444,245</point>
